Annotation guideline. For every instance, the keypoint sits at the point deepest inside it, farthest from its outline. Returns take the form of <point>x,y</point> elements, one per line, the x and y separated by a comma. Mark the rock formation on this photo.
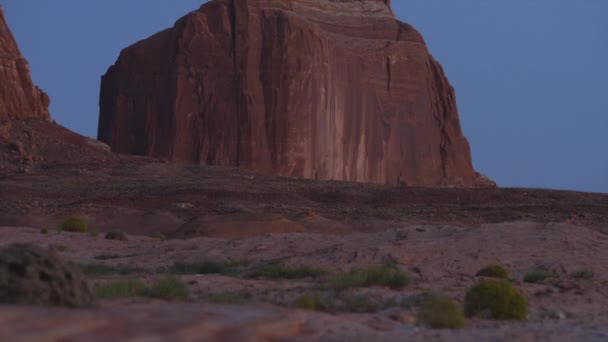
<point>321,89</point>
<point>19,97</point>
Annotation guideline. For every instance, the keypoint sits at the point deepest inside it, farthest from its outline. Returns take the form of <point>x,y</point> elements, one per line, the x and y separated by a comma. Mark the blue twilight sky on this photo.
<point>530,75</point>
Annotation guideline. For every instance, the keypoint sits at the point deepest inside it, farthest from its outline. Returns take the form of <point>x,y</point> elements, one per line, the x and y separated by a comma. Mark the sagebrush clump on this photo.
<point>440,312</point>
<point>495,299</point>
<point>307,302</point>
<point>73,224</point>
<point>493,271</point>
<point>538,275</point>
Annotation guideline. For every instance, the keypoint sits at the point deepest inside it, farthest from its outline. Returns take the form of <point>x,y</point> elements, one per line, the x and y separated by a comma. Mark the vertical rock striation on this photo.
<point>325,89</point>
<point>19,97</point>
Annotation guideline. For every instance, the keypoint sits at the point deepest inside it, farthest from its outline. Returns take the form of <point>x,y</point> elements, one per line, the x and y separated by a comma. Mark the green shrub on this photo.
<point>169,288</point>
<point>385,275</point>
<point>73,224</point>
<point>440,312</point>
<point>120,236</point>
<point>537,276</point>
<point>495,299</point>
<point>279,271</point>
<point>582,274</point>
<point>121,289</point>
<point>93,234</point>
<point>493,271</point>
<point>44,231</point>
<point>204,267</point>
<point>158,235</point>
<point>307,302</point>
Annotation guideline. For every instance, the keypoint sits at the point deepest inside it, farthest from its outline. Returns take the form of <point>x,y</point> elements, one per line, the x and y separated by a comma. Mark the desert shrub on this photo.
<point>280,271</point>
<point>120,236</point>
<point>44,231</point>
<point>385,275</point>
<point>582,274</point>
<point>537,276</point>
<point>33,276</point>
<point>495,299</point>
<point>158,235</point>
<point>204,267</point>
<point>493,271</point>
<point>100,270</point>
<point>73,224</point>
<point>439,312</point>
<point>307,302</point>
<point>121,289</point>
<point>93,234</point>
<point>169,288</point>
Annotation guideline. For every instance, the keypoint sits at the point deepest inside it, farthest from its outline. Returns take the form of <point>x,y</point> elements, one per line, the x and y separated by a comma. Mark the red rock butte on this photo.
<point>322,89</point>
<point>19,97</point>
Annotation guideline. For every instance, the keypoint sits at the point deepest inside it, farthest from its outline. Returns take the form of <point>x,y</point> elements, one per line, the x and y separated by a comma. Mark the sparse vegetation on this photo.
<point>93,234</point>
<point>100,270</point>
<point>44,231</point>
<point>73,224</point>
<point>280,271</point>
<point>538,275</point>
<point>120,236</point>
<point>205,267</point>
<point>495,299</point>
<point>307,302</point>
<point>493,271</point>
<point>386,275</point>
<point>440,312</point>
<point>582,274</point>
<point>158,235</point>
<point>121,289</point>
<point>169,288</point>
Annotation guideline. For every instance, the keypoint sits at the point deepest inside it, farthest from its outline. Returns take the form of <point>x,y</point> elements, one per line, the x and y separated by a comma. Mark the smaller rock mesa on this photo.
<point>19,97</point>
<point>324,89</point>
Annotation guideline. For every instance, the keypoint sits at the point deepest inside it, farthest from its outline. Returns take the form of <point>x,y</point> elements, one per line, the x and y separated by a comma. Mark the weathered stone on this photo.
<point>19,97</point>
<point>319,89</point>
<point>30,275</point>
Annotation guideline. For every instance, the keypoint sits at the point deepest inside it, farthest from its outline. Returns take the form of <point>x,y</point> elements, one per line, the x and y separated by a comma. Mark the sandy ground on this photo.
<point>442,258</point>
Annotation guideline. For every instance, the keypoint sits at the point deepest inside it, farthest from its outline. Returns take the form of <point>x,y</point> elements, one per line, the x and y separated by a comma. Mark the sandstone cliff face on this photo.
<point>320,89</point>
<point>19,97</point>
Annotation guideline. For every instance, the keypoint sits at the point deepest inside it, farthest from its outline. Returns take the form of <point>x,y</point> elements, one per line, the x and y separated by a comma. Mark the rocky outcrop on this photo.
<point>320,89</point>
<point>31,275</point>
<point>19,97</point>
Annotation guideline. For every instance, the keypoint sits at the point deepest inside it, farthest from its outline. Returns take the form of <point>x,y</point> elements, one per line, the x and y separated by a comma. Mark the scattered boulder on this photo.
<point>30,275</point>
